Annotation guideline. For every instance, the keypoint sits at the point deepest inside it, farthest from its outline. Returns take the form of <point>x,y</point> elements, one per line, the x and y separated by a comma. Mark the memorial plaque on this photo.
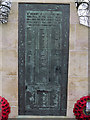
<point>43,59</point>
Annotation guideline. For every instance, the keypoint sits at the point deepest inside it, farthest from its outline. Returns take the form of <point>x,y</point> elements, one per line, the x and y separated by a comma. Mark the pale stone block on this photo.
<point>58,1</point>
<point>14,109</point>
<point>10,35</point>
<point>70,106</point>
<point>0,85</point>
<point>45,1</point>
<point>81,37</point>
<point>77,86</point>
<point>30,1</point>
<point>14,112</point>
<point>13,103</point>
<point>70,113</point>
<point>0,36</point>
<point>13,17</point>
<point>78,63</point>
<point>0,61</point>
<point>9,62</point>
<point>10,88</point>
<point>52,1</point>
<point>72,37</point>
<point>74,19</point>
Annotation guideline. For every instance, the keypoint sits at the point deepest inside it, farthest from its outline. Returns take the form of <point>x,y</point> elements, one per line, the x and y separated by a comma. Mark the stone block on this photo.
<point>74,19</point>
<point>28,1</point>
<point>10,88</point>
<point>0,36</point>
<point>10,35</point>
<point>1,62</point>
<point>14,112</point>
<point>13,17</point>
<point>78,63</point>
<point>9,62</point>
<point>81,37</point>
<point>0,85</point>
<point>72,37</point>
<point>78,86</point>
<point>70,109</point>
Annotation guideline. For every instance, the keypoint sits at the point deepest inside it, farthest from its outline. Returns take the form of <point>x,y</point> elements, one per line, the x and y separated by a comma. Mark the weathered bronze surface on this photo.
<point>43,59</point>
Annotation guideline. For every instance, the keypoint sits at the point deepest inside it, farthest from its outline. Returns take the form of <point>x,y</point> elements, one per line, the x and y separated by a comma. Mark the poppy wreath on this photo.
<point>4,108</point>
<point>79,109</point>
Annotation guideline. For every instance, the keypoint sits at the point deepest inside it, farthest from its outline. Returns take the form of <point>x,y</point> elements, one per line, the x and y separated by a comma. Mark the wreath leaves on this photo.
<point>5,6</point>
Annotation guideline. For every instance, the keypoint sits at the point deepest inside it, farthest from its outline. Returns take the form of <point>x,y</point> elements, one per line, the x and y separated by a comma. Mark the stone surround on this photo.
<point>78,58</point>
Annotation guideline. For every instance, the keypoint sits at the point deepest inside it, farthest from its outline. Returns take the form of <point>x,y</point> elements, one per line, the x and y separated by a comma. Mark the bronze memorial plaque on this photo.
<point>43,59</point>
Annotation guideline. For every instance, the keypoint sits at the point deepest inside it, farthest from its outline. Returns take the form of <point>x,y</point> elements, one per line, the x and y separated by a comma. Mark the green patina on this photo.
<point>43,46</point>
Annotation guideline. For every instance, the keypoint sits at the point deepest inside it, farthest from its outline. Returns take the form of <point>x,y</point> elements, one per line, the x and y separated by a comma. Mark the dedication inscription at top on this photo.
<point>43,18</point>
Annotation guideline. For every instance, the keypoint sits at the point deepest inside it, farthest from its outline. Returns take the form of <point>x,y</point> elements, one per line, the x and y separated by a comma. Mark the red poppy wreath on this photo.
<point>79,109</point>
<point>4,108</point>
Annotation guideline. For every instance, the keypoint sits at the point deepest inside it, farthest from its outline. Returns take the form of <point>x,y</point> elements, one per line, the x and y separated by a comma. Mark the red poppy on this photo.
<point>4,109</point>
<point>79,109</point>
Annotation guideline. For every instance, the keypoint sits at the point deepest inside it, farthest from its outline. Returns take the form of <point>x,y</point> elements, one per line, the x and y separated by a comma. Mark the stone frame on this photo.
<point>78,50</point>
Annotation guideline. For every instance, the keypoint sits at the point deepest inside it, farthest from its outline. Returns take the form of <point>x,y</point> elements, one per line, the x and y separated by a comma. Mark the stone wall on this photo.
<point>78,58</point>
